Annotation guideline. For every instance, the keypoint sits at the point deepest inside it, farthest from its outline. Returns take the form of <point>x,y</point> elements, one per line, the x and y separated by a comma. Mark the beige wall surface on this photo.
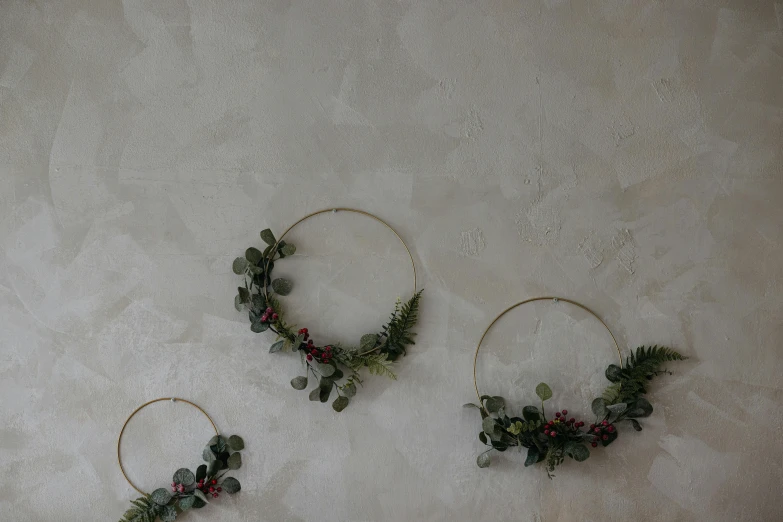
<point>626,154</point>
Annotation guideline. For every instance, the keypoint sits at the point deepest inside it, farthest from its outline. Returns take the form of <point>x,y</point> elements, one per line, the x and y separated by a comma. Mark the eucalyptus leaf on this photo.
<point>168,514</point>
<point>231,485</point>
<point>483,438</point>
<point>543,391</point>
<point>471,405</point>
<point>349,390</point>
<point>533,456</point>
<point>326,370</point>
<point>239,265</point>
<point>253,255</point>
<point>576,451</point>
<point>236,443</point>
<point>201,471</point>
<point>282,286</point>
<point>368,342</point>
<point>641,408</point>
<point>483,460</point>
<point>207,454</point>
<point>494,404</point>
<point>268,237</point>
<point>244,294</point>
<point>198,494</point>
<point>299,383</point>
<point>259,326</point>
<point>488,424</point>
<point>276,347</point>
<point>636,425</point>
<point>599,408</point>
<point>238,302</point>
<point>186,503</point>
<point>235,460</point>
<point>340,403</point>
<point>214,467</point>
<point>160,496</point>
<point>315,394</point>
<point>530,413</point>
<point>613,373</point>
<point>184,476</point>
<point>198,503</point>
<point>288,250</point>
<point>325,389</point>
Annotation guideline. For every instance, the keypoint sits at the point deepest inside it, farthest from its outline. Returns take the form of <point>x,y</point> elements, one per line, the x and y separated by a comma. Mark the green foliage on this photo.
<point>630,383</point>
<point>268,237</point>
<point>340,403</point>
<point>143,510</point>
<point>282,286</point>
<point>234,461</point>
<point>160,496</point>
<point>398,331</point>
<point>184,476</point>
<point>299,383</point>
<point>231,485</point>
<point>379,364</point>
<point>483,460</point>
<point>543,391</point>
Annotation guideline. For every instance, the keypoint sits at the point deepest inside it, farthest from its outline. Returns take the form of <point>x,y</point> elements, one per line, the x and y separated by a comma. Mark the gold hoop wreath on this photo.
<point>188,490</point>
<point>551,439</point>
<point>333,367</point>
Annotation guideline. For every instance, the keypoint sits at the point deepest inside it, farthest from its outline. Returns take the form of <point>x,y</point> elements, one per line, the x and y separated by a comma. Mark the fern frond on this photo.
<point>630,382</point>
<point>398,331</point>
<point>376,363</point>
<point>143,510</point>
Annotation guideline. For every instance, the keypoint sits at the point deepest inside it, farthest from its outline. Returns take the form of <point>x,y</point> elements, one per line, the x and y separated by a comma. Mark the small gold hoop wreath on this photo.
<point>125,424</point>
<point>531,300</point>
<point>328,364</point>
<point>553,438</point>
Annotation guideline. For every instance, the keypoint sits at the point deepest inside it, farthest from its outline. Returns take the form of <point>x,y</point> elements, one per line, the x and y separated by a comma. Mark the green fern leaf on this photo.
<point>398,331</point>
<point>630,382</point>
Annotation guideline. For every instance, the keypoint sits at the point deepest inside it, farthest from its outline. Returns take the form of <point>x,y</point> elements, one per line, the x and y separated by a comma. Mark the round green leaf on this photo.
<point>236,443</point>
<point>259,326</point>
<point>543,391</point>
<point>533,456</point>
<point>282,286</point>
<point>483,460</point>
<point>494,404</point>
<point>488,424</point>
<point>253,255</point>
<point>368,342</point>
<point>168,514</point>
<point>340,403</point>
<point>238,302</point>
<point>349,390</point>
<point>324,390</point>
<point>315,394</point>
<point>199,496</point>
<point>231,485</point>
<point>186,502</point>
<point>184,476</point>
<point>576,451</point>
<point>276,347</point>
<point>198,503</point>
<point>235,460</point>
<point>207,454</point>
<point>244,294</point>
<point>268,237</point>
<point>531,413</point>
<point>613,373</point>
<point>599,408</point>
<point>239,265</point>
<point>326,370</point>
<point>160,496</point>
<point>288,250</point>
<point>299,383</point>
<point>201,471</point>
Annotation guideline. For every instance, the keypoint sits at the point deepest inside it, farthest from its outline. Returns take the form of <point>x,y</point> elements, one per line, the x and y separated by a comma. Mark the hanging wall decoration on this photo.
<point>188,490</point>
<point>550,438</point>
<point>332,367</point>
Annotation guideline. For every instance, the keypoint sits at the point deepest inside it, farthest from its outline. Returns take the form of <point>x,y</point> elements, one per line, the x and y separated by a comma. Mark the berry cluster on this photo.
<point>323,355</point>
<point>269,315</point>
<point>209,487</point>
<point>561,422</point>
<point>177,488</point>
<point>602,431</point>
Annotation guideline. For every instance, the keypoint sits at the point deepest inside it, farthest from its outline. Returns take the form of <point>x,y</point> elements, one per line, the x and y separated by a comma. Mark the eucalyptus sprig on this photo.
<point>192,490</point>
<point>552,439</point>
<point>332,366</point>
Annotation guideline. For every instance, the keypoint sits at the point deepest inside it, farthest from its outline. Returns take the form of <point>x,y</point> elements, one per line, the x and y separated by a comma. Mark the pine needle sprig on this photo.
<point>630,383</point>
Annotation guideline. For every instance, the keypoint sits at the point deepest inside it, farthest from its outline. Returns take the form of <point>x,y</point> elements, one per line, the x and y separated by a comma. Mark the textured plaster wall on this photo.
<point>627,154</point>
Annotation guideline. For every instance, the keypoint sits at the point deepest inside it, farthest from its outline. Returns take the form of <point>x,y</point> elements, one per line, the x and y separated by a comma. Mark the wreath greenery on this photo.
<point>334,367</point>
<point>551,439</point>
<point>192,490</point>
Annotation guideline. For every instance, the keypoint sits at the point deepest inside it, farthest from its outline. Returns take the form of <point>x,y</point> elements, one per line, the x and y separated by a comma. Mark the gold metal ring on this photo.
<point>356,211</point>
<point>554,299</point>
<point>119,439</point>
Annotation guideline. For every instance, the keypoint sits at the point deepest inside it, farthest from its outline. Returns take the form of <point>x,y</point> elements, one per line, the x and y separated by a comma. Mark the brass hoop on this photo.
<point>554,299</point>
<point>119,439</point>
<point>345,209</point>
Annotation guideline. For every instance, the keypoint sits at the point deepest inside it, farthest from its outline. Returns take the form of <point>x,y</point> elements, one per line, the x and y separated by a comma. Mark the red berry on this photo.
<point>605,437</point>
<point>264,318</point>
<point>220,489</point>
<point>553,433</point>
<point>610,429</point>
<point>592,426</point>
<point>173,484</point>
<point>557,414</point>
<point>305,330</point>
<point>597,430</point>
<point>214,482</point>
<point>571,420</point>
<point>546,432</point>
<point>565,412</point>
<point>275,317</point>
<point>211,489</point>
<point>214,495</point>
<point>605,423</point>
<point>309,357</point>
<point>594,444</point>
